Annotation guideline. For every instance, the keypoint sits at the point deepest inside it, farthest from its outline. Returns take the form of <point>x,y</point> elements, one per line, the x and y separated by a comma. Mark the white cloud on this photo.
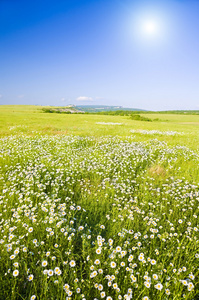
<point>63,99</point>
<point>20,96</point>
<point>1,96</point>
<point>83,98</point>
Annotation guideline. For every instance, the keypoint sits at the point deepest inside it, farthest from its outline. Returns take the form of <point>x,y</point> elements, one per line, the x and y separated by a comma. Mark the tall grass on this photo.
<point>97,218</point>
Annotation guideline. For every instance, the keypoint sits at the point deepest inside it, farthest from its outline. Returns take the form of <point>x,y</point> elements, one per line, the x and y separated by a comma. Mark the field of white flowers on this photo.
<point>86,218</point>
<point>157,132</point>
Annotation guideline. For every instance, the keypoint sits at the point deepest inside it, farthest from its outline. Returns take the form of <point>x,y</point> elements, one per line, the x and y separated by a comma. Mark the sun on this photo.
<point>150,27</point>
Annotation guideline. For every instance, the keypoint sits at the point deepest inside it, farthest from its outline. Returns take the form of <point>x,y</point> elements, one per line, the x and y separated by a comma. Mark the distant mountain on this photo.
<point>101,108</point>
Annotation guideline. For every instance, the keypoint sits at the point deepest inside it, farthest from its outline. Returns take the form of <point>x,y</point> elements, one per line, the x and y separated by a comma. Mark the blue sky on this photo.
<point>96,52</point>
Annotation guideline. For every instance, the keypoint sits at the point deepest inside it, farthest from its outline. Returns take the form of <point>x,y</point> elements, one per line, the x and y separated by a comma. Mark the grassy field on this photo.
<point>98,206</point>
<point>31,120</point>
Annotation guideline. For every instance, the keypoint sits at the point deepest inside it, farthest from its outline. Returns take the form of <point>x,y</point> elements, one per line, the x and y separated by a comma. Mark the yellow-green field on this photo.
<point>15,119</point>
<point>98,206</point>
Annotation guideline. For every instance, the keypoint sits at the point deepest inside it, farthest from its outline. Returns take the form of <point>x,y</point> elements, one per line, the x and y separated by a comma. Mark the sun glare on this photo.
<point>150,27</point>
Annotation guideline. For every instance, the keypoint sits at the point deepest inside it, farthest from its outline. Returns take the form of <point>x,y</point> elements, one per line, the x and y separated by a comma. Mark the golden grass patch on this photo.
<point>157,170</point>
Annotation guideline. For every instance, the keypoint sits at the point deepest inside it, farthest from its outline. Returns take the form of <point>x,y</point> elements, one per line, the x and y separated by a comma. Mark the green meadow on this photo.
<point>98,206</point>
<point>31,120</point>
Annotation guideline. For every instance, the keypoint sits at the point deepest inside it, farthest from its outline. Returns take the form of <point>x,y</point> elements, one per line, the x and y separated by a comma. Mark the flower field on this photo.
<point>97,218</point>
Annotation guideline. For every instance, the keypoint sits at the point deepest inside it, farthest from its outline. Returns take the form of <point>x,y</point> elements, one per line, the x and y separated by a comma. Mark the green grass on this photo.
<point>31,120</point>
<point>89,208</point>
